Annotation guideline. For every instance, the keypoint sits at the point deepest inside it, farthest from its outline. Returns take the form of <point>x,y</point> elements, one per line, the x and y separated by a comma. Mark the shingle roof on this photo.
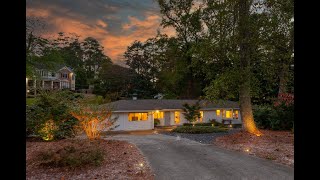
<point>158,104</point>
<point>56,67</point>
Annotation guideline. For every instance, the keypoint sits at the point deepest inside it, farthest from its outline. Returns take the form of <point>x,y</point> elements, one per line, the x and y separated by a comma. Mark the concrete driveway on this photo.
<point>173,158</point>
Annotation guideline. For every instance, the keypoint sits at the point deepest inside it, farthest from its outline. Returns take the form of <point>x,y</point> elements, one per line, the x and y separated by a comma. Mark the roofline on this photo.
<point>66,67</point>
<point>206,109</point>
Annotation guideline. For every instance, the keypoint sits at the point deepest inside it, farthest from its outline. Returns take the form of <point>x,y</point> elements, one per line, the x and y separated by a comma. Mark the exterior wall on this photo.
<point>126,125</point>
<point>208,115</point>
<point>211,114</point>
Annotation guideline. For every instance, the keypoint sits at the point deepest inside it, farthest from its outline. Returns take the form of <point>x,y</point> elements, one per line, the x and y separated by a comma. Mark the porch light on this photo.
<point>212,125</point>
<point>230,125</point>
<point>157,111</point>
<point>247,150</point>
<point>141,164</point>
<point>28,90</point>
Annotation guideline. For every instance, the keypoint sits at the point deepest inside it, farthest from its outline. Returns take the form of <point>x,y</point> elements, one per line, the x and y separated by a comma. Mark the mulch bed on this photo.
<point>122,160</point>
<point>205,138</point>
<point>277,146</point>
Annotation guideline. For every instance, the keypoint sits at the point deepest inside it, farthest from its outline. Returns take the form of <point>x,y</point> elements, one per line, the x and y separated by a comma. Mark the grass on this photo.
<point>30,101</point>
<point>199,129</point>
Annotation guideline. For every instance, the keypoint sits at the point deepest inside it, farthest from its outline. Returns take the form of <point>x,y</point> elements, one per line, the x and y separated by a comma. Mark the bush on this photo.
<point>156,122</point>
<point>197,124</point>
<point>49,116</point>
<point>198,129</point>
<point>74,155</point>
<point>274,118</point>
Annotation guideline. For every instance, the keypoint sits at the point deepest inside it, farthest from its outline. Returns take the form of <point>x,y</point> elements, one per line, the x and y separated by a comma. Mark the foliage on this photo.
<point>156,122</point>
<point>279,117</point>
<point>199,129</point>
<point>75,155</point>
<point>197,124</point>
<point>94,100</point>
<point>49,116</point>
<point>94,119</point>
<point>191,112</point>
<point>30,101</point>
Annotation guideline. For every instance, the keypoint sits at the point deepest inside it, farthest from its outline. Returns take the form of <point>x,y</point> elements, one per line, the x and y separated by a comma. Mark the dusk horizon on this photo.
<point>115,24</point>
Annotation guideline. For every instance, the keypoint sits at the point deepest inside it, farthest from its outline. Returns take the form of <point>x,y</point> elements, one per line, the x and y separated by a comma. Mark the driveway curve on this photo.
<point>173,158</point>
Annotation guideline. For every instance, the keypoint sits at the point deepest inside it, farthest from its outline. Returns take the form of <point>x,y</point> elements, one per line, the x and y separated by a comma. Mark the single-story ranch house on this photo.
<point>140,114</point>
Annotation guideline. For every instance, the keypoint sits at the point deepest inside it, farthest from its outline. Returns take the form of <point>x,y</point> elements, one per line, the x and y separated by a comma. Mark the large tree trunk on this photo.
<point>244,93</point>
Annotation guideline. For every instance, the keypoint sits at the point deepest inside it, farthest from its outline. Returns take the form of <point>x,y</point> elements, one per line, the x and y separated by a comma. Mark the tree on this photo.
<point>245,58</point>
<point>191,112</point>
<point>94,119</point>
<point>38,49</point>
<point>184,17</point>
<point>93,57</point>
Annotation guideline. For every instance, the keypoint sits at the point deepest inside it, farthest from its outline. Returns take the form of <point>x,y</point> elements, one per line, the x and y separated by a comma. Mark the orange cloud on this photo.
<point>114,44</point>
<point>102,24</point>
<point>41,13</point>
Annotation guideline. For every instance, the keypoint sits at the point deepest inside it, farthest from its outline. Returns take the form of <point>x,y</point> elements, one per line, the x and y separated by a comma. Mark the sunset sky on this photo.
<point>114,23</point>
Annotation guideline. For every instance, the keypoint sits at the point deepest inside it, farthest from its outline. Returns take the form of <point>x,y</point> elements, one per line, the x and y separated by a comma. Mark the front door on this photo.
<point>177,117</point>
<point>167,118</point>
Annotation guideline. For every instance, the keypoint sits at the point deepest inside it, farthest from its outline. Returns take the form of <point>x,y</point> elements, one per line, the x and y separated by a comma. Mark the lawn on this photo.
<point>52,160</point>
<point>277,146</point>
<point>30,101</point>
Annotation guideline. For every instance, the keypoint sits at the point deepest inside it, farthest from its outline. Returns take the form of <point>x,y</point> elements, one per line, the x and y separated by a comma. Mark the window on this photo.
<point>227,114</point>
<point>53,74</point>
<point>44,73</point>
<point>158,115</point>
<point>65,85</point>
<point>64,75</point>
<point>235,114</point>
<point>201,116</point>
<point>218,112</point>
<point>138,116</point>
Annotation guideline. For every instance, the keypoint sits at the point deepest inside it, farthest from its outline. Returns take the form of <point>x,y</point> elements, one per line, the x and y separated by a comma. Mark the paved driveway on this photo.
<point>173,158</point>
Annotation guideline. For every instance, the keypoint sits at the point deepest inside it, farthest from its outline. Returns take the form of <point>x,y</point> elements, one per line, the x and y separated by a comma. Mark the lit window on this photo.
<point>201,116</point>
<point>235,114</point>
<point>158,115</point>
<point>227,114</point>
<point>138,116</point>
<point>218,112</point>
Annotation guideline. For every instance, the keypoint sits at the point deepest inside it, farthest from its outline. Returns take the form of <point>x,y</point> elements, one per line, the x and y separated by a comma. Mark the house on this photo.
<point>140,114</point>
<point>63,78</point>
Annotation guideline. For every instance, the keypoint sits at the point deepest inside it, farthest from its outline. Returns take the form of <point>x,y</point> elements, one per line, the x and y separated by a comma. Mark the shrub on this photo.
<point>191,112</point>
<point>156,122</point>
<point>198,129</point>
<point>72,155</point>
<point>94,119</point>
<point>197,124</point>
<point>49,116</point>
<point>274,118</point>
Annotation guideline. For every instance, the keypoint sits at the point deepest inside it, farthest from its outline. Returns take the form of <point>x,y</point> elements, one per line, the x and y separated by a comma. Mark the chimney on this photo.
<point>134,96</point>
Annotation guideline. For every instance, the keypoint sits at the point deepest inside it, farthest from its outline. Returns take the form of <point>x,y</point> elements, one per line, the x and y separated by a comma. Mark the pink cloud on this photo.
<point>114,45</point>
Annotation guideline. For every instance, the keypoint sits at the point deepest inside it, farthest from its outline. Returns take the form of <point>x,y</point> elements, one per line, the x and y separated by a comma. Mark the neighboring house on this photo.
<point>63,78</point>
<point>140,114</point>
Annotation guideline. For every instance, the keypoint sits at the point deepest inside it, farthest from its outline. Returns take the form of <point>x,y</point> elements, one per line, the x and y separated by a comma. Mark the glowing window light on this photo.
<point>218,112</point>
